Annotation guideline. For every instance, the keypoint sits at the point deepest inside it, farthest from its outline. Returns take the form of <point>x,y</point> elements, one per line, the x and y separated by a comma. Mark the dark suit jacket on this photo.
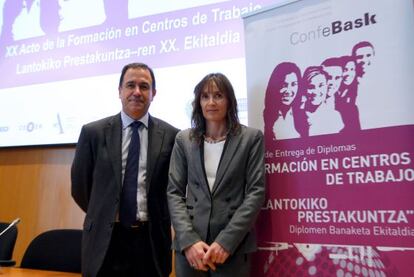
<point>96,187</point>
<point>227,213</point>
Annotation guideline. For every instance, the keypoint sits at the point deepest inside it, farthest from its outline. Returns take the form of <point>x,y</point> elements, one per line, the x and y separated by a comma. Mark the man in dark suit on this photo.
<point>112,245</point>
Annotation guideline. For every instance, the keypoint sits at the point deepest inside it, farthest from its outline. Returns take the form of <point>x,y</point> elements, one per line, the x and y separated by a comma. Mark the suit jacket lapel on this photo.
<point>113,139</point>
<point>230,148</point>
<point>199,166</point>
<point>155,139</point>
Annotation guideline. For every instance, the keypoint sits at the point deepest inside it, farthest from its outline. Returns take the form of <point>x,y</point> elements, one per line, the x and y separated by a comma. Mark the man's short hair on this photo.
<point>362,44</point>
<point>137,65</point>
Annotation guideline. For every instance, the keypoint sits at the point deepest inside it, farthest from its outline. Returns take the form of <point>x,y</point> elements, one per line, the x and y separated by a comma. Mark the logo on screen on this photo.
<point>30,127</point>
<point>4,129</point>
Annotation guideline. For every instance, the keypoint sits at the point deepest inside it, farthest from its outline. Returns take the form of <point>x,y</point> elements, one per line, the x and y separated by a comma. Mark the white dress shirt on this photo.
<point>212,155</point>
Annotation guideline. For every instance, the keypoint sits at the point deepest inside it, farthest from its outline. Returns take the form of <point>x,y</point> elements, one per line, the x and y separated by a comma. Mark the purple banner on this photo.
<point>334,198</point>
<point>334,99</point>
<point>335,176</point>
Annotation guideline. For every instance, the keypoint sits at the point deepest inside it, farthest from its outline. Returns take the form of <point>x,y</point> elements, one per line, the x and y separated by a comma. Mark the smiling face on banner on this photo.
<point>349,72</point>
<point>334,78</point>
<point>289,89</point>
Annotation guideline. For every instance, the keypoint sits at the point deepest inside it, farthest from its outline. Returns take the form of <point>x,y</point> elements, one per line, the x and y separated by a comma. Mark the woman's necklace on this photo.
<point>209,139</point>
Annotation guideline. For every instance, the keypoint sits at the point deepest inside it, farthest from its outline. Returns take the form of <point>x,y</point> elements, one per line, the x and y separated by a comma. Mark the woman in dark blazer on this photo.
<point>216,185</point>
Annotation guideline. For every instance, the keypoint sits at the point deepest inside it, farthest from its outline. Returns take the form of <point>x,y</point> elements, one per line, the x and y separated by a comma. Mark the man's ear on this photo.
<point>119,92</point>
<point>154,92</point>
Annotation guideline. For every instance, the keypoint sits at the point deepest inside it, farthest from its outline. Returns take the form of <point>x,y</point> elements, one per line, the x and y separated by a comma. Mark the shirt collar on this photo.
<point>127,120</point>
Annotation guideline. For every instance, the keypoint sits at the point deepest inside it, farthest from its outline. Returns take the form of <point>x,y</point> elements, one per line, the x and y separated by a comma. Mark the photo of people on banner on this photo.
<point>322,100</point>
